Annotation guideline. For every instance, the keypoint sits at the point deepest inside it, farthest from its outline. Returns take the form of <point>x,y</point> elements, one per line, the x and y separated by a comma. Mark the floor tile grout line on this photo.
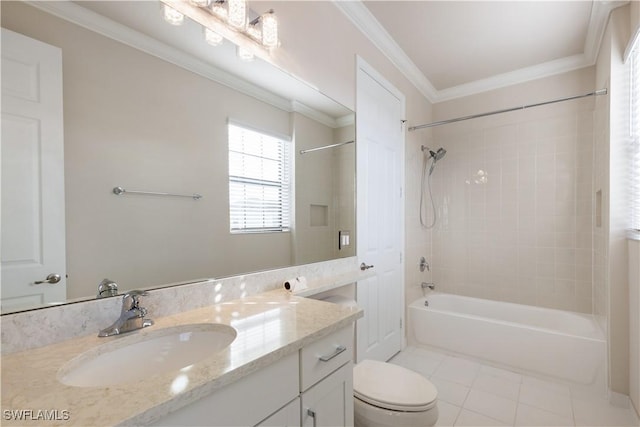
<point>573,412</point>
<point>515,419</point>
<point>457,416</point>
<point>483,415</point>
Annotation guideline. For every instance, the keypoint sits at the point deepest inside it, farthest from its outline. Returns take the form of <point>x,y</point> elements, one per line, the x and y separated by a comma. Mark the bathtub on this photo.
<point>565,345</point>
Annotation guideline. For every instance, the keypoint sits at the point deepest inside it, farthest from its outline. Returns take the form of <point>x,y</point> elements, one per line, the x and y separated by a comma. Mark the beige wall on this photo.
<point>634,323</point>
<point>514,195</point>
<point>344,188</point>
<point>612,138</point>
<point>314,175</point>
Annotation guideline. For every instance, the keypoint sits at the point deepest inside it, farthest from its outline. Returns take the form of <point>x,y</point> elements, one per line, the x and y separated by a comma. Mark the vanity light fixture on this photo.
<point>244,54</point>
<point>213,38</point>
<point>237,13</point>
<point>227,19</point>
<point>270,29</point>
<point>171,15</point>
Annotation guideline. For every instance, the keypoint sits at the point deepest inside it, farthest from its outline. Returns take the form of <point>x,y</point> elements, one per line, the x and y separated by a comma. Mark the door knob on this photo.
<point>364,266</point>
<point>52,278</point>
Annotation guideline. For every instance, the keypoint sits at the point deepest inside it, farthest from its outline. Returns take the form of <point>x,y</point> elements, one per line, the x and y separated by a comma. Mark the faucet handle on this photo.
<point>131,300</point>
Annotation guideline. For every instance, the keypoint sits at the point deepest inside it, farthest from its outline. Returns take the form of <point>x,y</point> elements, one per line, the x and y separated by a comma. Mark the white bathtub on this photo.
<point>555,343</point>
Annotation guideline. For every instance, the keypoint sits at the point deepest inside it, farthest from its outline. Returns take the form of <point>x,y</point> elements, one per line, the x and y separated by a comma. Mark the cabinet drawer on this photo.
<point>324,356</point>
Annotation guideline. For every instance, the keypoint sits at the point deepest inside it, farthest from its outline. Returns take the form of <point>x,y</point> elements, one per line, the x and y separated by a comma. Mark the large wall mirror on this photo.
<point>147,106</point>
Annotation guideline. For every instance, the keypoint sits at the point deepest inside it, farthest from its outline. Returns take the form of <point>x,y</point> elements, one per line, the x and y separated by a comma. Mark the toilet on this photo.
<point>388,395</point>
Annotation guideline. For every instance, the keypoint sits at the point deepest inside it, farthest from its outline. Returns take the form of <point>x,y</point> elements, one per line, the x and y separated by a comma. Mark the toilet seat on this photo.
<point>392,387</point>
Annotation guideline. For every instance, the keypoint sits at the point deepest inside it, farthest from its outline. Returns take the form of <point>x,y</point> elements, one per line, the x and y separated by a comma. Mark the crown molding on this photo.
<point>316,115</point>
<point>366,22</point>
<point>97,23</point>
<point>522,75</point>
<point>600,11</point>
<point>347,120</point>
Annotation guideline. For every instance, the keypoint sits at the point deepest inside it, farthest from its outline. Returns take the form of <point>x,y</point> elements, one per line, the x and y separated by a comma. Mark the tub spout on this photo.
<point>425,285</point>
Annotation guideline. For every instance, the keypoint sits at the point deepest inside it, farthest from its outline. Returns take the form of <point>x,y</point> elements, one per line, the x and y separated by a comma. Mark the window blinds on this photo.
<point>259,181</point>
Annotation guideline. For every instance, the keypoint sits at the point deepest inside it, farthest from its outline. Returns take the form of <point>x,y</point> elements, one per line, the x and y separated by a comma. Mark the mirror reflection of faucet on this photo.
<point>131,316</point>
<point>107,288</point>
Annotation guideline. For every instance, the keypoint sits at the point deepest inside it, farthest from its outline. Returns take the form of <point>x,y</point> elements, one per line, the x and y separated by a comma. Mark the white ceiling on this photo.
<point>450,49</point>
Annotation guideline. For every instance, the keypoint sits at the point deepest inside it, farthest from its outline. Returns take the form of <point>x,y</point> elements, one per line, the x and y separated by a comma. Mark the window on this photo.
<point>635,135</point>
<point>259,181</point>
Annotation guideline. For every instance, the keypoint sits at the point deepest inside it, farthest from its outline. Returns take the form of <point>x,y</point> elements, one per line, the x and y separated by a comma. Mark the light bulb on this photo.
<point>254,32</point>
<point>218,9</point>
<point>237,13</point>
<point>270,29</point>
<point>245,54</point>
<point>171,15</point>
<point>213,38</point>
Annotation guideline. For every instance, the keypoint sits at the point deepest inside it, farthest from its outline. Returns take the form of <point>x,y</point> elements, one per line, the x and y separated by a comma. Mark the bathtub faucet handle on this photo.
<point>424,264</point>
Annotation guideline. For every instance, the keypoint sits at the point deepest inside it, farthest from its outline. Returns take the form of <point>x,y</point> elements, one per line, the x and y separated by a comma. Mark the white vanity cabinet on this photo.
<point>289,416</point>
<point>316,380</point>
<point>330,402</point>
<point>245,402</point>
<point>326,380</point>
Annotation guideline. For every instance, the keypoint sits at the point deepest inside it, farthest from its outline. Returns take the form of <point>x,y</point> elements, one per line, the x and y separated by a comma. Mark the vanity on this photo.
<point>289,364</point>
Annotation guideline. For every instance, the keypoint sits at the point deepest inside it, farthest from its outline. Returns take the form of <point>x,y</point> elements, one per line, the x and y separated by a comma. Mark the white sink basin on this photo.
<point>135,358</point>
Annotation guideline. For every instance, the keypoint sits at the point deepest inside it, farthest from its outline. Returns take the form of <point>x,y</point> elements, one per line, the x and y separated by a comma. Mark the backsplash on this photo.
<point>37,328</point>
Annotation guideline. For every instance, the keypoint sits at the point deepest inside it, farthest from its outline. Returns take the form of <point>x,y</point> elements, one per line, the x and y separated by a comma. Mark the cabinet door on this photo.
<point>289,416</point>
<point>244,402</point>
<point>330,402</point>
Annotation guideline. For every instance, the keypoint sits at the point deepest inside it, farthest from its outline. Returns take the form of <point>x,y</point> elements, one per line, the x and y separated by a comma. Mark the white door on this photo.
<point>380,225</point>
<point>32,166</point>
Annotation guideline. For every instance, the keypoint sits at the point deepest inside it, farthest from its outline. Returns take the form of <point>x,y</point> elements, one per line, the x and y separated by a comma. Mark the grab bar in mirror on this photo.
<point>118,191</point>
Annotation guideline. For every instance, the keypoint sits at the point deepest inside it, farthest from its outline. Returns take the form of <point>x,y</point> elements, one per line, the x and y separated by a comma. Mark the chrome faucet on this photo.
<point>425,285</point>
<point>131,317</point>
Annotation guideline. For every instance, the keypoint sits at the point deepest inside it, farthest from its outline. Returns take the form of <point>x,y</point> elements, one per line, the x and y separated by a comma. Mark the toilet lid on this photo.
<point>392,387</point>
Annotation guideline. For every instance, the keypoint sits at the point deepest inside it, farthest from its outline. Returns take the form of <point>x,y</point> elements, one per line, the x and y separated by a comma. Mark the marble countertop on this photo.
<point>269,325</point>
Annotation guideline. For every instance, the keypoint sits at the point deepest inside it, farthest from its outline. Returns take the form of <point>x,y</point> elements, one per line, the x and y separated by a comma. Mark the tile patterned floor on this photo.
<point>473,394</point>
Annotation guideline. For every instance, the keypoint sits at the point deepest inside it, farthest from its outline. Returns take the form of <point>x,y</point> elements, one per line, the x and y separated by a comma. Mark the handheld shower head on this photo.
<point>438,154</point>
<point>435,155</point>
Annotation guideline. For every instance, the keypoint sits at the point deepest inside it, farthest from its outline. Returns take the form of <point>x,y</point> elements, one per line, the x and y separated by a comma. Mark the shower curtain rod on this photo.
<point>506,110</point>
<point>325,147</point>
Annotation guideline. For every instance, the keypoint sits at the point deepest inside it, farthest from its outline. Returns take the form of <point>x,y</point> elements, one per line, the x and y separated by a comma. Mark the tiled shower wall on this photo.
<point>515,207</point>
